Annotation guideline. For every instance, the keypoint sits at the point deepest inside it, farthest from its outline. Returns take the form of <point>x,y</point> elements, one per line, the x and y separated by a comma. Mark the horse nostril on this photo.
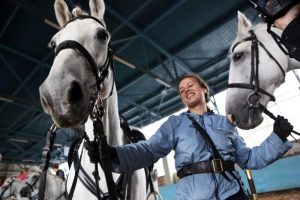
<point>75,92</point>
<point>231,118</point>
<point>44,102</point>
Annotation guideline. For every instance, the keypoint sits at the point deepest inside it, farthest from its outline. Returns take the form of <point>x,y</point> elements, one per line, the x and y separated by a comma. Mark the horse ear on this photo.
<point>62,12</point>
<point>244,24</point>
<point>97,8</point>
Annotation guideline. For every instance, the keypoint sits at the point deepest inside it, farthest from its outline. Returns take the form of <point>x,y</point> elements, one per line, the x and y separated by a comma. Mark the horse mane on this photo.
<point>77,12</point>
<point>56,178</point>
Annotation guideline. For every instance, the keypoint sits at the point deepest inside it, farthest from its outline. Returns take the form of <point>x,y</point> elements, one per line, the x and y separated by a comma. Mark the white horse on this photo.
<point>11,187</point>
<point>80,73</point>
<point>55,187</point>
<point>245,77</point>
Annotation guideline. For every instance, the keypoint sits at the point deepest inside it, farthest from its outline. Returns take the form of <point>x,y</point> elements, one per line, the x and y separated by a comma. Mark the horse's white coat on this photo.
<point>270,76</point>
<point>13,190</point>
<point>71,67</point>
<point>55,186</point>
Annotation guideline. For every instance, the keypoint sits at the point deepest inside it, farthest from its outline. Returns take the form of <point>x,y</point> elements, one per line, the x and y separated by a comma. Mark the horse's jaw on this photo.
<point>69,120</point>
<point>240,113</point>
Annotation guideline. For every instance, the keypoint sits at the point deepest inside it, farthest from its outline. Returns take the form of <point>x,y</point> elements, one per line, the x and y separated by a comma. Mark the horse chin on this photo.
<point>254,120</point>
<point>71,119</point>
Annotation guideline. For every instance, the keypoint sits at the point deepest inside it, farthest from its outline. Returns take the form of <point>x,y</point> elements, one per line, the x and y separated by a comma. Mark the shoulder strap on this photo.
<point>216,153</point>
<point>206,137</point>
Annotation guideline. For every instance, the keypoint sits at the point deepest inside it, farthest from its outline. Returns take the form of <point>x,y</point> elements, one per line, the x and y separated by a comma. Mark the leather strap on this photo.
<point>206,137</point>
<point>205,167</point>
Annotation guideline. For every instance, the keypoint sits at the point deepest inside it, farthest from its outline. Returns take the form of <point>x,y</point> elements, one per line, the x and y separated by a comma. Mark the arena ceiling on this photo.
<point>155,42</point>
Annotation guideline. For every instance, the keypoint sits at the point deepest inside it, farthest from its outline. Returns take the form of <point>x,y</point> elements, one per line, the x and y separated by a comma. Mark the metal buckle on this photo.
<point>217,165</point>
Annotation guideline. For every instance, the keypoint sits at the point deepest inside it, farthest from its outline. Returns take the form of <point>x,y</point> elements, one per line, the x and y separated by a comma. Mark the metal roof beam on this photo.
<point>17,146</point>
<point>15,75</point>
<point>151,41</point>
<point>124,40</point>
<point>14,151</point>
<point>8,21</point>
<point>26,122</point>
<point>26,80</point>
<point>155,107</point>
<point>36,12</point>
<point>23,55</point>
<point>145,100</point>
<point>123,23</point>
<point>140,106</point>
<point>13,100</point>
<point>7,134</point>
<point>226,17</point>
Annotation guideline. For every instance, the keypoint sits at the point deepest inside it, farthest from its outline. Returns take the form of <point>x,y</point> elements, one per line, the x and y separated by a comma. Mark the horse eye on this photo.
<point>52,45</point>
<point>102,35</point>
<point>238,56</point>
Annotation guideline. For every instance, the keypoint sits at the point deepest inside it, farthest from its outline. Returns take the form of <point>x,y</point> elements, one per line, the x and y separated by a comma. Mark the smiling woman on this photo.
<point>206,147</point>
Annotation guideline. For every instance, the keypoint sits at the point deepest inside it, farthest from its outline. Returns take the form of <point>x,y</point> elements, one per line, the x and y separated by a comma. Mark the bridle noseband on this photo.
<point>254,78</point>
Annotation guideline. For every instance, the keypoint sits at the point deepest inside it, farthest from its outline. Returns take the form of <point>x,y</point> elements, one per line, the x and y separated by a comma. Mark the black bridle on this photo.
<point>99,72</point>
<point>254,78</point>
<point>29,188</point>
<point>96,114</point>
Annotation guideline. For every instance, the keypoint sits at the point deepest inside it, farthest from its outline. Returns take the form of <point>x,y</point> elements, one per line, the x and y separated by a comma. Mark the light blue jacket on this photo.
<point>178,134</point>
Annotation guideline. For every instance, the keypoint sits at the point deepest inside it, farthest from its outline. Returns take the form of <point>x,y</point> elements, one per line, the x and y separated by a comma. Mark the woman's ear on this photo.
<point>206,95</point>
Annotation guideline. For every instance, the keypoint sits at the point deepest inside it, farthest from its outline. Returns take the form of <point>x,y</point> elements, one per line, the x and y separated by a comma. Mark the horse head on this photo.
<point>31,184</point>
<point>257,69</point>
<point>80,67</point>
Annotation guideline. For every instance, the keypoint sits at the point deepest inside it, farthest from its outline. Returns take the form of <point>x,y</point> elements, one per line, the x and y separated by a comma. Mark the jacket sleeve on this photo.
<point>260,156</point>
<point>145,153</point>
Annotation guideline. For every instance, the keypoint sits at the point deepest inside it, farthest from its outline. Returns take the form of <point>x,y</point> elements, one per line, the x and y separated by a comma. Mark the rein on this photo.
<point>46,160</point>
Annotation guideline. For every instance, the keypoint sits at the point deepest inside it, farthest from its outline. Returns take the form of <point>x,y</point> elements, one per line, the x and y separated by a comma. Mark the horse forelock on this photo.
<point>77,12</point>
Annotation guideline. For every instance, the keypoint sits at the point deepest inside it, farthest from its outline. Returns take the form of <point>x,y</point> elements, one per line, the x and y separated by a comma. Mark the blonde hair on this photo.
<point>200,81</point>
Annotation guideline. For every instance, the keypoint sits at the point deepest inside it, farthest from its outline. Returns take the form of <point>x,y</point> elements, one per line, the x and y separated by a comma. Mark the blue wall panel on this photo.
<point>281,175</point>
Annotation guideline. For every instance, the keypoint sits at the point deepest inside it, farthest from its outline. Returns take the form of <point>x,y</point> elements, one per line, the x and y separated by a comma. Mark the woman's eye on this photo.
<point>102,35</point>
<point>237,56</point>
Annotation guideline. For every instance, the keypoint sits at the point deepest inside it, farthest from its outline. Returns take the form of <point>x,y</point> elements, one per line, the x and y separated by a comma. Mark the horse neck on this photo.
<point>111,120</point>
<point>56,184</point>
<point>293,64</point>
<point>16,186</point>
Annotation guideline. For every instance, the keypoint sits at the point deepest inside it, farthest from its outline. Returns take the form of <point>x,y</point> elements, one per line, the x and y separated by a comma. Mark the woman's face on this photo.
<point>191,93</point>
